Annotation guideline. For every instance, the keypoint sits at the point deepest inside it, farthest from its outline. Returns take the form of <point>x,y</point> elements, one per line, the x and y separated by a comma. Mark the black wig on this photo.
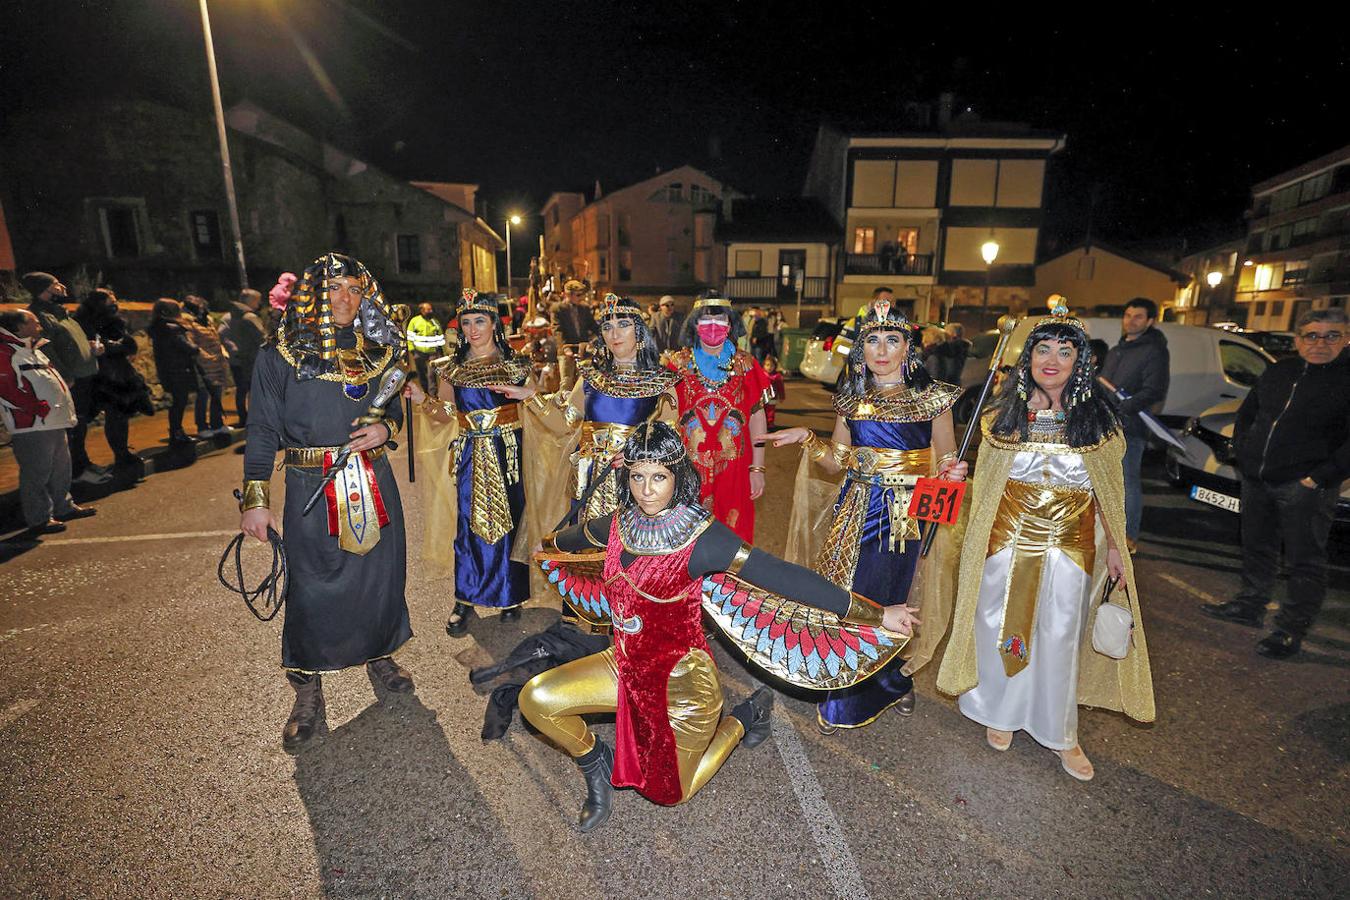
<point>620,309</point>
<point>658,442</point>
<point>1088,414</point>
<point>689,331</point>
<point>498,332</point>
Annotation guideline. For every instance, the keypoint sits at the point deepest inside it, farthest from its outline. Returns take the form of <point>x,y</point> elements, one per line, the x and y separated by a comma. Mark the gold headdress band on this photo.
<point>884,320</point>
<point>472,301</point>
<point>702,302</point>
<point>668,460</point>
<point>1059,313</point>
<point>616,306</point>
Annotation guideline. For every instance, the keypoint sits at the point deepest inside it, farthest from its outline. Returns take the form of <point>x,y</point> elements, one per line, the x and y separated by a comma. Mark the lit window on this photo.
<point>864,240</point>
<point>1269,277</point>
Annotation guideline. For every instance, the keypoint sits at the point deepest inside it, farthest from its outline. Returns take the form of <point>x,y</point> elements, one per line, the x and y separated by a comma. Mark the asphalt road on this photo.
<point>141,706</point>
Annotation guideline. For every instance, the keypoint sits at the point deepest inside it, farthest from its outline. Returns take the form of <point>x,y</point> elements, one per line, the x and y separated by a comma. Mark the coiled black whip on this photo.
<point>272,589</point>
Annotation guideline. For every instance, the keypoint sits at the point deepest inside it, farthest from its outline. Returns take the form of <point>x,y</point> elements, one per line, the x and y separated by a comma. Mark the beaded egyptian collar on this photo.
<point>899,403</point>
<point>628,384</point>
<point>482,372</point>
<point>1046,426</point>
<point>666,532</point>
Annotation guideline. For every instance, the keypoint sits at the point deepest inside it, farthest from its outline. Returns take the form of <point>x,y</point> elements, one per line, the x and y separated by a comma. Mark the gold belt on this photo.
<point>1033,519</point>
<point>312,457</point>
<point>882,465</point>
<point>603,437</point>
<point>506,418</point>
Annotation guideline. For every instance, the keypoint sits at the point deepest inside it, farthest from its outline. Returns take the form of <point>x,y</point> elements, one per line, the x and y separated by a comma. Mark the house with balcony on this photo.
<point>916,206</point>
<point>1212,274</point>
<point>654,237</point>
<point>558,212</point>
<point>1297,254</point>
<point>780,252</point>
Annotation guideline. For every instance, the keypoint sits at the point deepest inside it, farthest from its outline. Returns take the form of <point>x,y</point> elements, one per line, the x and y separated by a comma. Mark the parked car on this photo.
<point>1206,467</point>
<point>822,361</point>
<point>1209,365</point>
<point>1279,344</point>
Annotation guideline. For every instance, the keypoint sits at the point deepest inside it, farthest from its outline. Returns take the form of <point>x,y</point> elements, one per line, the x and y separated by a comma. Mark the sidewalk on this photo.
<point>148,436</point>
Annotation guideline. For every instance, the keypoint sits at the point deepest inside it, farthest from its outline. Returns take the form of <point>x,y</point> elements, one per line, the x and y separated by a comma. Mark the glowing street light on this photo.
<point>1213,278</point>
<point>988,250</point>
<point>511,220</point>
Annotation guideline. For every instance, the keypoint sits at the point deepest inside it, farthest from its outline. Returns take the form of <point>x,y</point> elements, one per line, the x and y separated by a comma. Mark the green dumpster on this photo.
<point>794,347</point>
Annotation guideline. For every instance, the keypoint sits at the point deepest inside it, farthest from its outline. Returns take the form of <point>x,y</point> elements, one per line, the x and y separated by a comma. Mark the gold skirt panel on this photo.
<point>1034,519</point>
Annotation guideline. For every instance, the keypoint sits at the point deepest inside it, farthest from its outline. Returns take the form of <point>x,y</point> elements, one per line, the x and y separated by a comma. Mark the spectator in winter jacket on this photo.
<point>243,332</point>
<point>119,390</point>
<point>175,360</point>
<point>1139,365</point>
<point>37,409</point>
<point>1292,441</point>
<point>666,326</point>
<point>213,368</point>
<point>74,357</point>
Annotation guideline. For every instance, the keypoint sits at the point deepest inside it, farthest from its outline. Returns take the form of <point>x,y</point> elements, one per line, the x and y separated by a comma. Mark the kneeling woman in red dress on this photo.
<point>650,569</point>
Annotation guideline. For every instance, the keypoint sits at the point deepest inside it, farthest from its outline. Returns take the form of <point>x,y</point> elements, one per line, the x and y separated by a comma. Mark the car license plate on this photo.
<point>1214,498</point>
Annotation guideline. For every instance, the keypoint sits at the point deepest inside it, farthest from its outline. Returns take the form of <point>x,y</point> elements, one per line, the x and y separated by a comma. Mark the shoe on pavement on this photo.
<point>597,767</point>
<point>458,623</point>
<point>390,675</point>
<point>92,475</point>
<point>511,615</point>
<point>753,713</point>
<point>1235,612</point>
<point>1279,644</point>
<point>905,705</point>
<point>51,526</point>
<point>1076,763</point>
<point>999,740</point>
<point>306,715</point>
<point>77,512</point>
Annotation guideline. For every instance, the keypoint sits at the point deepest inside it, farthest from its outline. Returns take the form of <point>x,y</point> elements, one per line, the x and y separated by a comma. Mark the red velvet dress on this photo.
<point>649,639</point>
<point>715,425</point>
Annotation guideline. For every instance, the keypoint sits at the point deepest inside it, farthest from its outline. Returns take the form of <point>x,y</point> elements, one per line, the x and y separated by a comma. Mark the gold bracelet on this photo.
<point>759,469</point>
<point>540,400</point>
<point>255,495</point>
<point>814,446</point>
<point>950,454</point>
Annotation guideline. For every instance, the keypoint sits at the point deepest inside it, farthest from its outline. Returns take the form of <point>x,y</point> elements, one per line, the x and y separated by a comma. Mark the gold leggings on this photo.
<point>554,702</point>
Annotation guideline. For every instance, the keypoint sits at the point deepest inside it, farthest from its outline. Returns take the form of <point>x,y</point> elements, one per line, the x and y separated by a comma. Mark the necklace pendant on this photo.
<point>356,392</point>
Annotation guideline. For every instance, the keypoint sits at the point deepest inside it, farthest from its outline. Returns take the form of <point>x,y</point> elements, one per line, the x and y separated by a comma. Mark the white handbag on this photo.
<point>1114,625</point>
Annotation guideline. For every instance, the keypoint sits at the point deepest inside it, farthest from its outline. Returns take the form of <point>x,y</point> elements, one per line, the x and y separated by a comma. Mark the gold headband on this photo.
<point>702,302</point>
<point>472,301</point>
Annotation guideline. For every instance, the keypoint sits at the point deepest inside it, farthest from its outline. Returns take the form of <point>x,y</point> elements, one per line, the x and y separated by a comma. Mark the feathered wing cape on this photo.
<point>1124,685</point>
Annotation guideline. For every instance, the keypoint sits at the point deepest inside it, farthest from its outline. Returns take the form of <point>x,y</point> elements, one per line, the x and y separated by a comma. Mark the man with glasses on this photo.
<point>574,327</point>
<point>1292,440</point>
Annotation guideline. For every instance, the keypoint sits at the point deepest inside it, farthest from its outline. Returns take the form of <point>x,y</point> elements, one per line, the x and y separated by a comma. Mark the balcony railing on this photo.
<point>920,264</point>
<point>753,287</point>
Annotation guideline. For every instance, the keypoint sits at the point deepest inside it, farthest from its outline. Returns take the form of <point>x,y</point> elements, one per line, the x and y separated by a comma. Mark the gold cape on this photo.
<point>1124,685</point>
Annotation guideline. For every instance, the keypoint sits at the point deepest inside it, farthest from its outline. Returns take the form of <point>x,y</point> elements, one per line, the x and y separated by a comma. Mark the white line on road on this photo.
<point>15,711</point>
<point>140,537</point>
<point>835,854</point>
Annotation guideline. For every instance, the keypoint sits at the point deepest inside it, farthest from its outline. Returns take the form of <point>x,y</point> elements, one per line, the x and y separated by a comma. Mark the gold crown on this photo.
<point>616,306</point>
<point>1058,305</point>
<point>472,301</point>
<point>881,309</point>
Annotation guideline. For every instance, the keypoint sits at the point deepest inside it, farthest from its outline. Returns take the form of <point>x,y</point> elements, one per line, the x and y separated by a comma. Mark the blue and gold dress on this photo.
<point>489,482</point>
<point>873,545</point>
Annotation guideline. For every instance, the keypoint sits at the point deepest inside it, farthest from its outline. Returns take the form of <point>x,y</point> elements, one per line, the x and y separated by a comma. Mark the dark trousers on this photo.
<point>82,391</point>
<point>115,431</point>
<point>242,379</point>
<point>422,362</point>
<point>1299,518</point>
<point>212,394</point>
<point>179,395</point>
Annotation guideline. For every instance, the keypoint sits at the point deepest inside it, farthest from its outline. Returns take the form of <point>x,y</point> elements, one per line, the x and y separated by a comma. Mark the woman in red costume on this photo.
<point>651,569</point>
<point>722,392</point>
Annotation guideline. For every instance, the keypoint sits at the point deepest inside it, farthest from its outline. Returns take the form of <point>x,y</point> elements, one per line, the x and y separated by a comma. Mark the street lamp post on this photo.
<point>988,250</point>
<point>224,149</point>
<point>511,220</point>
<point>1212,279</point>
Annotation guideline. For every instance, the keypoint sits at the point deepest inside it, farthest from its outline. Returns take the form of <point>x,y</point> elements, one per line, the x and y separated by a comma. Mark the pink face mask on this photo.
<point>713,333</point>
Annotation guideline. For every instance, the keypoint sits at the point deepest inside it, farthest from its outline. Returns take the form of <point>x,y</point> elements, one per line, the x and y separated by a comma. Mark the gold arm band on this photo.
<point>816,448</point>
<point>862,611</point>
<point>760,469</point>
<point>738,561</point>
<point>256,495</point>
<point>540,401</point>
<point>394,426</point>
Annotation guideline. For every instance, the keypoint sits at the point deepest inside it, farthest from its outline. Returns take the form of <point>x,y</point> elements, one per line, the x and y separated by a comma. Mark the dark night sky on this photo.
<point>1173,114</point>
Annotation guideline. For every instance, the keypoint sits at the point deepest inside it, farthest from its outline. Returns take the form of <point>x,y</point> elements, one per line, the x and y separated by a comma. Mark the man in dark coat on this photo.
<point>243,333</point>
<point>574,327</point>
<point>1292,440</point>
<point>1139,365</point>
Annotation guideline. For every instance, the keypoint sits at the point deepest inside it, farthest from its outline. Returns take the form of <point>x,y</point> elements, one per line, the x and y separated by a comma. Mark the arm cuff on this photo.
<point>256,495</point>
<point>862,611</point>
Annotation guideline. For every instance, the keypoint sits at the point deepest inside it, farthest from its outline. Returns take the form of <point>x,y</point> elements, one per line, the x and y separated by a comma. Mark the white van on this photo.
<point>1208,365</point>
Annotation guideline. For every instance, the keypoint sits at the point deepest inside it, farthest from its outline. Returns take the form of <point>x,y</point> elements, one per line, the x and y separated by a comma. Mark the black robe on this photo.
<point>342,609</point>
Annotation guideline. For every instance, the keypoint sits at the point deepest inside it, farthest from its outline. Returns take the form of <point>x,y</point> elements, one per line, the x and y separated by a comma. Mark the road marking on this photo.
<point>15,711</point>
<point>140,537</point>
<point>835,854</point>
<point>1190,589</point>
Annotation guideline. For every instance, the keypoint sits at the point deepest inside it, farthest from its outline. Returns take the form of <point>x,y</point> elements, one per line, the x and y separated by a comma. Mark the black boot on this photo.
<point>511,615</point>
<point>306,714</point>
<point>753,713</point>
<point>596,767</point>
<point>1280,644</point>
<point>458,623</point>
<point>1235,612</point>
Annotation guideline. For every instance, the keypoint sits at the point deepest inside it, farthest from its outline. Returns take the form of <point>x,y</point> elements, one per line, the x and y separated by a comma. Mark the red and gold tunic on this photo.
<point>715,425</point>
